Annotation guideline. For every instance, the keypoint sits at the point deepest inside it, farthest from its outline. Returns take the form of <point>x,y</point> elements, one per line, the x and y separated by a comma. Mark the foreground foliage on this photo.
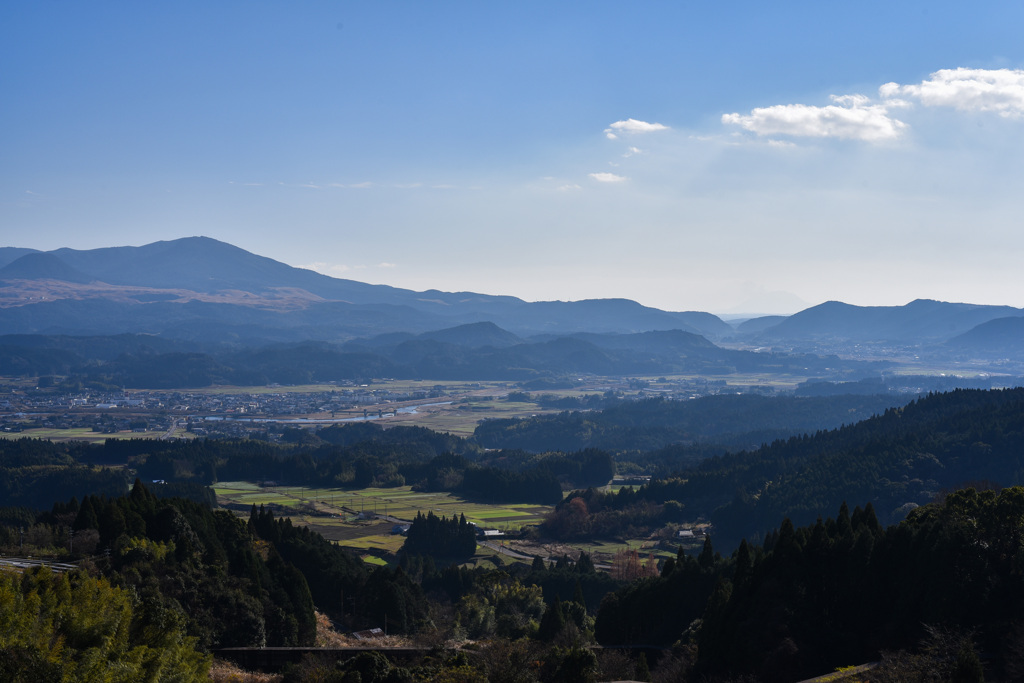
<point>76,627</point>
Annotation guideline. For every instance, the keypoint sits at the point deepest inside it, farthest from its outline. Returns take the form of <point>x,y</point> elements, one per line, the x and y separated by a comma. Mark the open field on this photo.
<point>458,411</point>
<point>362,519</point>
<point>82,434</point>
<point>335,513</point>
<point>462,418</point>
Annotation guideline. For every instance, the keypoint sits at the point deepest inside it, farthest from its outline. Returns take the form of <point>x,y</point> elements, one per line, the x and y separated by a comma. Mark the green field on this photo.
<point>336,513</point>
<point>470,402</point>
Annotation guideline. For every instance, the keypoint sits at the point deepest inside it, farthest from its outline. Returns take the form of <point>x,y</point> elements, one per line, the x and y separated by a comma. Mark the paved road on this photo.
<point>506,551</point>
<point>175,426</point>
<point>23,563</point>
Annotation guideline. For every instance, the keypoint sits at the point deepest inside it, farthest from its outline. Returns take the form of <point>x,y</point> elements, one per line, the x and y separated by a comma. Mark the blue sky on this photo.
<point>730,157</point>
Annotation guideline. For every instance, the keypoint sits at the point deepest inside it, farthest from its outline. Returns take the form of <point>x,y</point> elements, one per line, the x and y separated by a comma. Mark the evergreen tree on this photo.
<point>642,672</point>
<point>552,623</point>
<point>706,560</point>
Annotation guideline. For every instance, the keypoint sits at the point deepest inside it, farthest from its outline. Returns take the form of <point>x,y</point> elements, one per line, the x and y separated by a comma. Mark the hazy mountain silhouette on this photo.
<point>203,264</point>
<point>760,324</point>
<point>206,291</point>
<point>475,335</point>
<point>207,266</point>
<point>919,321</point>
<point>998,337</point>
<point>9,254</point>
<point>43,266</point>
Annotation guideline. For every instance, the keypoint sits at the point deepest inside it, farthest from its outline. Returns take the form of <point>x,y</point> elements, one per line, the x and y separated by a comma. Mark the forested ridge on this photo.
<point>730,421</point>
<point>896,461</point>
<point>153,362</point>
<point>846,590</point>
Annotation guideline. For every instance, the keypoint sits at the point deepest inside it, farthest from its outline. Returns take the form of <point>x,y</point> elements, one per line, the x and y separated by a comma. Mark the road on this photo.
<point>505,551</point>
<point>23,563</point>
<point>175,426</point>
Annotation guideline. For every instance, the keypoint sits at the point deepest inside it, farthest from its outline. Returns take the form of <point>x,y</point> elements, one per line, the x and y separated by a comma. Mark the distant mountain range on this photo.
<point>919,321</point>
<point>170,288</point>
<point>206,292</point>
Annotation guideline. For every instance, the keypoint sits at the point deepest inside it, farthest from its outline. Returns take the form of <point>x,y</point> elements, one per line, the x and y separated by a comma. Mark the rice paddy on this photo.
<point>363,519</point>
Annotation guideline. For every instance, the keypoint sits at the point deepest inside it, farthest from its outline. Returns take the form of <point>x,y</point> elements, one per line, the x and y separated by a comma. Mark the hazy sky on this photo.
<point>689,155</point>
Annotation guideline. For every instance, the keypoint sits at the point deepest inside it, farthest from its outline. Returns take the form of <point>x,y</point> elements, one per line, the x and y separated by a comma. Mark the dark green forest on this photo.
<point>897,461</point>
<point>731,421</point>
<point>842,591</point>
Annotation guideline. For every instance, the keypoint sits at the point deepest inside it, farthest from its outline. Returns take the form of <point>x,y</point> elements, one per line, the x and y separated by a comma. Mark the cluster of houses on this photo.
<point>110,412</point>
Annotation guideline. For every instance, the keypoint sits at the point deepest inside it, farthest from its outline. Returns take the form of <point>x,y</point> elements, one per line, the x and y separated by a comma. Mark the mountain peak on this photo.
<point>43,266</point>
<point>475,335</point>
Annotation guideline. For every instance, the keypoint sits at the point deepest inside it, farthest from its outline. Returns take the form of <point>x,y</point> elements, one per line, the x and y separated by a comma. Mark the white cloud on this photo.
<point>987,90</point>
<point>851,117</point>
<point>857,117</point>
<point>607,177</point>
<point>631,151</point>
<point>888,90</point>
<point>632,126</point>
